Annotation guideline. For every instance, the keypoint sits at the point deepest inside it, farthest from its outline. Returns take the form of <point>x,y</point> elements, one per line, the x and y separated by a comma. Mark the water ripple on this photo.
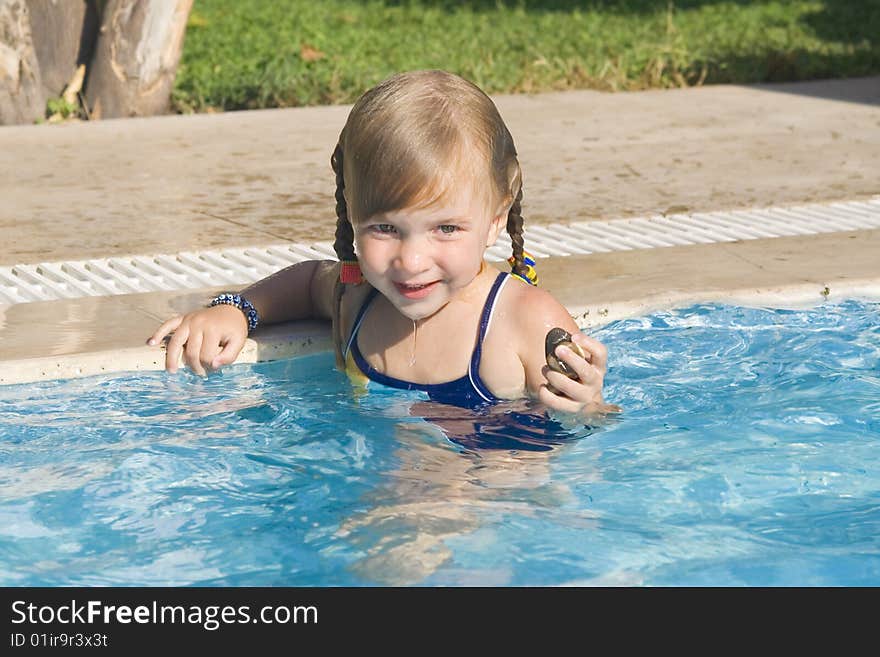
<point>747,454</point>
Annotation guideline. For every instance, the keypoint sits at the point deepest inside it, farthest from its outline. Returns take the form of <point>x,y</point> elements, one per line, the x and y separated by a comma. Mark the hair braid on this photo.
<point>344,247</point>
<point>344,244</point>
<point>514,229</point>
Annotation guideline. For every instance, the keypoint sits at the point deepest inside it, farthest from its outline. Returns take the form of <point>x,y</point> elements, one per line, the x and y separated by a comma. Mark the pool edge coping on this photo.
<point>309,337</point>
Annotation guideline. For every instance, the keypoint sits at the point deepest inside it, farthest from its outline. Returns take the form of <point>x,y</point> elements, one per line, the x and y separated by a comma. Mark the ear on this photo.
<point>499,222</point>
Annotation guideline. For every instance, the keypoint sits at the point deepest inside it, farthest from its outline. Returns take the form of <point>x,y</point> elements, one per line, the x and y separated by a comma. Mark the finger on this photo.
<point>586,372</point>
<point>210,348</point>
<point>164,329</point>
<point>212,343</point>
<point>229,352</point>
<point>597,351</point>
<point>192,354</point>
<point>601,410</point>
<point>565,387</point>
<point>175,347</point>
<point>554,401</point>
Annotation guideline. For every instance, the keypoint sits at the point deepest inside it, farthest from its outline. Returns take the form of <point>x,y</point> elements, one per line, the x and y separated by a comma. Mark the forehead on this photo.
<point>461,202</point>
<point>464,185</point>
<point>445,176</point>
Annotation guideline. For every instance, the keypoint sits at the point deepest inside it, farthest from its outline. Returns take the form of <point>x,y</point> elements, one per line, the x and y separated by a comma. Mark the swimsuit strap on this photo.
<point>359,319</point>
<point>485,319</point>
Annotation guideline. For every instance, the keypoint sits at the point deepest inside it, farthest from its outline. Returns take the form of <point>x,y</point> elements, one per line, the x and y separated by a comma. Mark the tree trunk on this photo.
<point>136,57</point>
<point>22,99</point>
<point>64,37</point>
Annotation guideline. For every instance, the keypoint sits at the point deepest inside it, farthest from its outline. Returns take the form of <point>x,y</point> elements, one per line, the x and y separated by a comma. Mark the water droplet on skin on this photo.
<point>412,356</point>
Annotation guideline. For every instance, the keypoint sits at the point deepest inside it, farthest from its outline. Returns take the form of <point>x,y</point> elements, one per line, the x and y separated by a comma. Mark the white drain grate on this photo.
<point>106,276</point>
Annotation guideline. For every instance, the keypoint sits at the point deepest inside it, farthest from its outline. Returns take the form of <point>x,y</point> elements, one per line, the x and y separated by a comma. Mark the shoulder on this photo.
<point>533,311</point>
<point>536,309</point>
<point>352,301</point>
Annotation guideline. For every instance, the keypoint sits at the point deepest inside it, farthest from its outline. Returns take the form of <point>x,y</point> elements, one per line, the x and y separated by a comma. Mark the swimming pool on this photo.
<point>748,454</point>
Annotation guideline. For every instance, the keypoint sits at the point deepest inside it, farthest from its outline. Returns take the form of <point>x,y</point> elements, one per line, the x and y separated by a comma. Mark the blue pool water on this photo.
<point>748,454</point>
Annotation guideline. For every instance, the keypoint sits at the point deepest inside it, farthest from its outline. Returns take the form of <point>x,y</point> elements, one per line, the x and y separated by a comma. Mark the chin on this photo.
<point>418,311</point>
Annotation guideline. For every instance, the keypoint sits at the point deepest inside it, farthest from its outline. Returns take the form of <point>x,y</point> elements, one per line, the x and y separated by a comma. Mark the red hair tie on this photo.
<point>350,273</point>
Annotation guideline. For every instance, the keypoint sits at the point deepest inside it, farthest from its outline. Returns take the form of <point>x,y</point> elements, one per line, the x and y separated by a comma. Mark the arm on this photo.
<point>557,391</point>
<point>209,338</point>
<point>301,291</point>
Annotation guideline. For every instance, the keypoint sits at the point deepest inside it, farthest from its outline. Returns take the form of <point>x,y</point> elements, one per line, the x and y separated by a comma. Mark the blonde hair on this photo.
<point>400,147</point>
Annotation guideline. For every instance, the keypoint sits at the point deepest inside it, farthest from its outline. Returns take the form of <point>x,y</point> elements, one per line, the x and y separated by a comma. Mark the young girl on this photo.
<point>426,178</point>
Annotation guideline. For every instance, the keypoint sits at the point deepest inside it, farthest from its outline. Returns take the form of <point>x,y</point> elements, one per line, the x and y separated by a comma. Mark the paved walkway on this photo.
<point>167,184</point>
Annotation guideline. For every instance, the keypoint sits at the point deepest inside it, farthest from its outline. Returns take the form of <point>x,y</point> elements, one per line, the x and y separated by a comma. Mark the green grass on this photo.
<point>243,54</point>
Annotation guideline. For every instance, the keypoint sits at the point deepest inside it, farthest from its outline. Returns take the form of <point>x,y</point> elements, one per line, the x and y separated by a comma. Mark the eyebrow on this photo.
<point>438,221</point>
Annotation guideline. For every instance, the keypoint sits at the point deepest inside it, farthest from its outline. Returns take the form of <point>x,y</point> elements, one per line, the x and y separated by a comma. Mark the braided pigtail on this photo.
<point>514,229</point>
<point>521,263</point>
<point>344,247</point>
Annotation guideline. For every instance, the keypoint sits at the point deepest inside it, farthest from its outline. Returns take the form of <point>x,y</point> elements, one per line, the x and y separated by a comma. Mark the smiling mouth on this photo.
<point>415,291</point>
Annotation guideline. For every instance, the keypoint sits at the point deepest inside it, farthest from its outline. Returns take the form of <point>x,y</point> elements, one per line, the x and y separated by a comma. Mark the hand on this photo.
<point>583,395</point>
<point>208,338</point>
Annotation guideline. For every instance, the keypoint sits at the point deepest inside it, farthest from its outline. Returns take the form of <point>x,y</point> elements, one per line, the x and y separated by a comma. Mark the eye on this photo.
<point>448,229</point>
<point>383,229</point>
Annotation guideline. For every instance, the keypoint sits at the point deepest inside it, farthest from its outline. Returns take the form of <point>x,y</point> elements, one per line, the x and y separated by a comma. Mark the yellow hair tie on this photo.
<point>531,275</point>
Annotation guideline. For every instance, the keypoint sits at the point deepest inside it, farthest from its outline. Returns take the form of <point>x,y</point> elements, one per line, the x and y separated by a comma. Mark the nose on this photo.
<point>412,256</point>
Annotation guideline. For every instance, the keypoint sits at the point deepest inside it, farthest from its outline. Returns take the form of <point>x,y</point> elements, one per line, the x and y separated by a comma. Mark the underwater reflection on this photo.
<point>521,425</point>
<point>495,463</point>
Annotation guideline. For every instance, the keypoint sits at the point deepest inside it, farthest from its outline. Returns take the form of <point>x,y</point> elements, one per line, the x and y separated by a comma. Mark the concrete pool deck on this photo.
<point>169,184</point>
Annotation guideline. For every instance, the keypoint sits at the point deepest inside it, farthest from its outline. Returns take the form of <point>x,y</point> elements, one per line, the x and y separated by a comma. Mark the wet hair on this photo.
<point>405,143</point>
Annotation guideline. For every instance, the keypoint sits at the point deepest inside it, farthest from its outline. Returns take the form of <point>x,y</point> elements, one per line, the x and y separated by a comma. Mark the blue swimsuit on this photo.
<point>482,421</point>
<point>468,391</point>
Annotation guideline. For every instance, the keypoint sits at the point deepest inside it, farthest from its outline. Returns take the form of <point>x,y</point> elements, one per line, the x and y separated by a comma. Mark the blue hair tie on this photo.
<point>531,275</point>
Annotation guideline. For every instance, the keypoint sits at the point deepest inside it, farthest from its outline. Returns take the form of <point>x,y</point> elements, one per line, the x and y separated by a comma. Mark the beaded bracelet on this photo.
<point>245,306</point>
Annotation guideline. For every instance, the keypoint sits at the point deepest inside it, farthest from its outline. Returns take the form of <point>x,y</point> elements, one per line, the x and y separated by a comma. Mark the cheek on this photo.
<point>466,258</point>
<point>372,254</point>
<point>363,248</point>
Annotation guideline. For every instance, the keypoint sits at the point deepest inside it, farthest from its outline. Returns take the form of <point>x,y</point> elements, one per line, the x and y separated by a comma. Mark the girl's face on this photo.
<point>420,258</point>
